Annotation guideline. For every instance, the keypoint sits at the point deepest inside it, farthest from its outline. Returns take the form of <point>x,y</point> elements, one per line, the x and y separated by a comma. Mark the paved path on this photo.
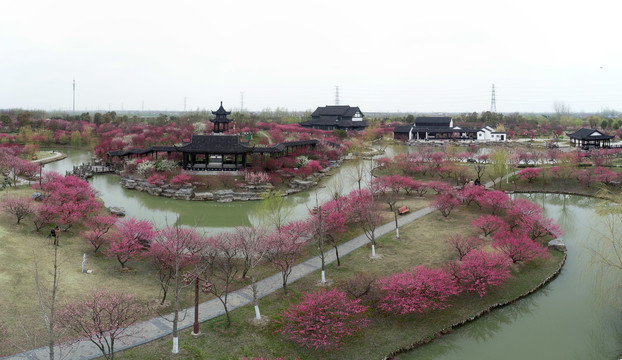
<point>156,328</point>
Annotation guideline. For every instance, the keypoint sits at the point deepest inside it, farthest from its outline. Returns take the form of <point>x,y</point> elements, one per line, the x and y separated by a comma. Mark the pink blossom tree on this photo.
<point>323,319</point>
<point>489,224</point>
<point>254,246</point>
<point>518,246</point>
<point>363,212</point>
<point>134,238</point>
<point>20,207</point>
<point>220,265</point>
<point>69,199</point>
<point>99,233</point>
<point>286,244</point>
<point>493,200</point>
<point>445,203</point>
<point>103,317</point>
<point>529,174</point>
<point>173,250</point>
<point>470,193</point>
<point>417,291</point>
<point>463,245</point>
<point>180,179</point>
<point>479,271</point>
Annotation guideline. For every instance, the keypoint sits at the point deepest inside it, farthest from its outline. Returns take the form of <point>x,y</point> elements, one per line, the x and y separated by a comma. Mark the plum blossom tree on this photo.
<point>69,199</point>
<point>99,233</point>
<point>470,193</point>
<point>173,250</point>
<point>323,319</point>
<point>489,224</point>
<point>135,236</point>
<point>518,246</point>
<point>417,291</point>
<point>103,317</point>
<point>254,246</point>
<point>363,211</point>
<point>493,200</point>
<point>445,203</point>
<point>286,244</point>
<point>479,271</point>
<point>20,207</point>
<point>530,174</point>
<point>220,265</point>
<point>463,245</point>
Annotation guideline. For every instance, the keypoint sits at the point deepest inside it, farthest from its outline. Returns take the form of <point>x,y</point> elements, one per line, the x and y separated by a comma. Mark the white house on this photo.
<point>489,134</point>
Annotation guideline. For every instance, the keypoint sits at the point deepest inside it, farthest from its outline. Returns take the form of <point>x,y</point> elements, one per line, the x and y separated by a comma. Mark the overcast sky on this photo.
<point>408,56</point>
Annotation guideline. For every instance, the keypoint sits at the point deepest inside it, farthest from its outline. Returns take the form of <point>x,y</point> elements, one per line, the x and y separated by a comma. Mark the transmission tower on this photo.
<point>184,104</point>
<point>74,96</point>
<point>493,100</point>
<point>242,101</point>
<point>336,95</point>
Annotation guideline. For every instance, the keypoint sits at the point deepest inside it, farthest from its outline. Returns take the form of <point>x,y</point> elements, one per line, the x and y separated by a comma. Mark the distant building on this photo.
<point>332,117</point>
<point>442,128</point>
<point>587,138</point>
<point>221,122</point>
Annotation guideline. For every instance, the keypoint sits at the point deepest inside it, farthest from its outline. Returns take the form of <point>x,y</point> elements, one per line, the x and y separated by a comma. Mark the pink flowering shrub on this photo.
<point>156,179</point>
<point>417,291</point>
<point>323,319</point>
<point>181,179</point>
<point>256,178</point>
<point>445,203</point>
<point>479,271</point>
<point>529,174</point>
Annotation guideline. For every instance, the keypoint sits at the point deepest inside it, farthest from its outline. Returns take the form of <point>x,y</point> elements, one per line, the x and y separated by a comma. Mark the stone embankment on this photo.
<point>245,192</point>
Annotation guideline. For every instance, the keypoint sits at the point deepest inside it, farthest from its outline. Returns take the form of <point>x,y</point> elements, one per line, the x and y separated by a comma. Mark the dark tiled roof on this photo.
<point>434,129</point>
<point>402,129</point>
<point>432,121</point>
<point>221,111</point>
<point>341,124</point>
<point>586,134</point>
<point>229,144</point>
<point>336,110</point>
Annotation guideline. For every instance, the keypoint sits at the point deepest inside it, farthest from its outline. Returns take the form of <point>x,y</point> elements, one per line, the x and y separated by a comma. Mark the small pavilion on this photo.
<point>223,152</point>
<point>221,122</point>
<point>586,138</point>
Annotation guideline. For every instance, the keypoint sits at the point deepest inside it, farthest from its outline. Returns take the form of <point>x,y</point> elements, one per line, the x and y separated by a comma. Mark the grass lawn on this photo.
<point>44,154</point>
<point>422,242</point>
<point>20,245</point>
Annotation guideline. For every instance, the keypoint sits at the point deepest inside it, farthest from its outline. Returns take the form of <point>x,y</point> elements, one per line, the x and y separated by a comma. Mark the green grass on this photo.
<point>422,242</point>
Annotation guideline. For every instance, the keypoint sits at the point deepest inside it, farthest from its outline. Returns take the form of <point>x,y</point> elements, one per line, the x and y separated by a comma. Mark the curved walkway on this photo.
<point>156,328</point>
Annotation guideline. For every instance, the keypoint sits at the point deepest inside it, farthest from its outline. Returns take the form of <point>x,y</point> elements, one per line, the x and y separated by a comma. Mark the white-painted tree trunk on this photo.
<point>175,345</point>
<point>373,250</point>
<point>323,277</point>
<point>257,313</point>
<point>397,232</point>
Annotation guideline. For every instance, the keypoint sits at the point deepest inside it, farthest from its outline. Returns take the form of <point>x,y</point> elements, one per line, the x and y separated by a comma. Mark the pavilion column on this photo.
<point>222,161</point>
<point>184,159</point>
<point>206,161</point>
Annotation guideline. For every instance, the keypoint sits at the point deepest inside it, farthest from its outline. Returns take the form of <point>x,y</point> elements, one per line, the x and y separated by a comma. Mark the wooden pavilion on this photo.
<point>221,121</point>
<point>587,138</point>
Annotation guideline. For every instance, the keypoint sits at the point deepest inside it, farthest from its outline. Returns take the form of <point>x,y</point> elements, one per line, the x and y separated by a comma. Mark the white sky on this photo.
<point>409,56</point>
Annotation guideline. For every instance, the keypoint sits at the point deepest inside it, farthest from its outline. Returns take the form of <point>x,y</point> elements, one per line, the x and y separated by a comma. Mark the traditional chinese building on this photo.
<point>442,128</point>
<point>342,117</point>
<point>221,121</point>
<point>587,138</point>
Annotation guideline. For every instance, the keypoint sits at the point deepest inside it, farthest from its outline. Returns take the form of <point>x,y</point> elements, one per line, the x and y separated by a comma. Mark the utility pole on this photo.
<point>242,101</point>
<point>73,108</point>
<point>493,100</point>
<point>336,95</point>
<point>184,104</point>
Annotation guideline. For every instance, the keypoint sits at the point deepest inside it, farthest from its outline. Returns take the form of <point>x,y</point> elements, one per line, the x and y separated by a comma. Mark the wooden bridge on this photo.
<point>85,171</point>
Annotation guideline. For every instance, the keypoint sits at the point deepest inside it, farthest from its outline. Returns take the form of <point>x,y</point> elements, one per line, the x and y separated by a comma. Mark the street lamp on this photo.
<point>205,285</point>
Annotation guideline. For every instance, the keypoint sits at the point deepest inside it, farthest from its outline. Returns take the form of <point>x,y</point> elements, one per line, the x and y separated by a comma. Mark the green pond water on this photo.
<point>570,318</point>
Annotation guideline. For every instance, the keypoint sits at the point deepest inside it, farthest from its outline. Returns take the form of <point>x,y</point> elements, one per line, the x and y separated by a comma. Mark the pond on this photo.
<point>567,319</point>
<point>208,216</point>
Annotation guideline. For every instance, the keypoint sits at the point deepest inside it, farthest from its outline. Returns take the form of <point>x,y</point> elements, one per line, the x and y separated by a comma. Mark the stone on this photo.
<point>558,244</point>
<point>117,210</point>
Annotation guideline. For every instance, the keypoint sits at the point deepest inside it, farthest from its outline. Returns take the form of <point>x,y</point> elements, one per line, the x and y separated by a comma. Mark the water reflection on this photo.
<point>565,320</point>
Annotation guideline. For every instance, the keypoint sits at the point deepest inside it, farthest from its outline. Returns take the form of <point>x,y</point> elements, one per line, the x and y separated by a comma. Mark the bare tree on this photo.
<point>275,209</point>
<point>47,299</point>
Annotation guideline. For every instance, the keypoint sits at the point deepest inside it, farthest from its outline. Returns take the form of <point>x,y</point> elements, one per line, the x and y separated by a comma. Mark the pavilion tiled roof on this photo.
<point>589,134</point>
<point>215,144</point>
